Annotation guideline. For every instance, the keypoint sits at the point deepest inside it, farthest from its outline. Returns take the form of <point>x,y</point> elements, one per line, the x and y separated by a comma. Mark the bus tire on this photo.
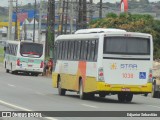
<point>34,74</point>
<point>7,71</point>
<point>154,92</point>
<point>82,95</point>
<point>129,97</point>
<point>12,72</point>
<point>61,91</point>
<point>5,65</point>
<point>121,97</point>
<point>90,96</point>
<point>102,95</point>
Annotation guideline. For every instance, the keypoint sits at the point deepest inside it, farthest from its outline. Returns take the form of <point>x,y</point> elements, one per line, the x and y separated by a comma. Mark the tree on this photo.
<point>133,23</point>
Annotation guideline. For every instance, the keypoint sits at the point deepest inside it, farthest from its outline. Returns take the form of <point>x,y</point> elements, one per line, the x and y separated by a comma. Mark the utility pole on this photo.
<point>66,19</point>
<point>79,15</point>
<point>60,17</point>
<point>34,20</point>
<point>84,22</point>
<point>71,17</point>
<point>40,22</point>
<point>90,12</point>
<point>50,36</point>
<point>62,22</point>
<point>82,16</point>
<point>100,9</point>
<point>10,19</point>
<point>25,30</point>
<point>16,12</point>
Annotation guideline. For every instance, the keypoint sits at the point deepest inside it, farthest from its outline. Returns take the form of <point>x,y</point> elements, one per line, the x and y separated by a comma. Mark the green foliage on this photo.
<point>111,15</point>
<point>1,54</point>
<point>134,23</point>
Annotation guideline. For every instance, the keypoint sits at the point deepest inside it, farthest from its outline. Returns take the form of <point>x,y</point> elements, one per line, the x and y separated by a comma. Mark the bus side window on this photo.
<point>66,50</point>
<point>72,50</point>
<point>60,49</point>
<point>9,49</point>
<point>69,50</point>
<point>75,50</point>
<point>12,49</point>
<point>63,46</point>
<point>85,50</point>
<point>89,50</point>
<point>82,50</point>
<point>96,50</point>
<point>92,50</point>
<point>78,50</point>
<point>14,53</point>
<point>16,49</point>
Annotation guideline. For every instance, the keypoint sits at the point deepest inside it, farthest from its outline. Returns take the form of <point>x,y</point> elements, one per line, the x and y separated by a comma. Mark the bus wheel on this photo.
<point>154,92</point>
<point>61,91</point>
<point>102,95</point>
<point>12,72</point>
<point>90,96</point>
<point>129,97</point>
<point>5,65</point>
<point>7,71</point>
<point>121,97</point>
<point>34,74</point>
<point>82,95</point>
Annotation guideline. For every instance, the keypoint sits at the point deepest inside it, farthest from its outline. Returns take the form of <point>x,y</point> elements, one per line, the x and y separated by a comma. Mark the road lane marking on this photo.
<point>89,105</point>
<point>39,93</point>
<point>13,106</point>
<point>21,108</point>
<point>11,85</point>
<point>154,106</point>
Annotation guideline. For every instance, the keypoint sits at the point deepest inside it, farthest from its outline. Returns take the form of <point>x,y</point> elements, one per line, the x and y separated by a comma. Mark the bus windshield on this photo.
<point>126,45</point>
<point>31,50</point>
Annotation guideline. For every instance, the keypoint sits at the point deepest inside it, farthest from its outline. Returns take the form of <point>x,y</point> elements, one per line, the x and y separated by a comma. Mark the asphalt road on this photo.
<point>29,93</point>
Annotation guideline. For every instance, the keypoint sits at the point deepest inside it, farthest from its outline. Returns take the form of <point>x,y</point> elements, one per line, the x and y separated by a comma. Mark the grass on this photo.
<point>1,54</point>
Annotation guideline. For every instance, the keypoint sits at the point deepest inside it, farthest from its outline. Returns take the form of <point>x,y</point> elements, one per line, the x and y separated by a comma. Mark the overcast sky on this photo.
<point>5,2</point>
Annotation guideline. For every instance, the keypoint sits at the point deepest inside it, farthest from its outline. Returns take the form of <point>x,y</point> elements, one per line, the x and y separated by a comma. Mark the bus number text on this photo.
<point>128,75</point>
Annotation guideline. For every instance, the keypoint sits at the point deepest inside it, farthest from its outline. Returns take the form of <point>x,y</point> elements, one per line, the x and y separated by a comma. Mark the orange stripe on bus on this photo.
<point>82,71</point>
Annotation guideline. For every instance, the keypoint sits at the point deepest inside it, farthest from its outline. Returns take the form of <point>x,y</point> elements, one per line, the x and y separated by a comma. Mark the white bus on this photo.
<point>104,62</point>
<point>24,56</point>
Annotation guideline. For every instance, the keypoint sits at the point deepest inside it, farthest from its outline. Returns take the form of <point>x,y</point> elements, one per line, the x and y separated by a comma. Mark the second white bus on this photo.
<point>25,57</point>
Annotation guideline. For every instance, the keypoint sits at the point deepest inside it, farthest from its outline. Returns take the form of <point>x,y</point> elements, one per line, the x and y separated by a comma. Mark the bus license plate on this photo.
<point>126,89</point>
<point>29,65</point>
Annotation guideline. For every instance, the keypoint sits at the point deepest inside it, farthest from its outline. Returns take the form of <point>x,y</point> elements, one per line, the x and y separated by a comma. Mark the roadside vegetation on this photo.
<point>133,23</point>
<point>1,54</point>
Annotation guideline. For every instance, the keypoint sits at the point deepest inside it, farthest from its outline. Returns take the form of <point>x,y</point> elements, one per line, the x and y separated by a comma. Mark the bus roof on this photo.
<point>98,30</point>
<point>22,41</point>
<point>97,35</point>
